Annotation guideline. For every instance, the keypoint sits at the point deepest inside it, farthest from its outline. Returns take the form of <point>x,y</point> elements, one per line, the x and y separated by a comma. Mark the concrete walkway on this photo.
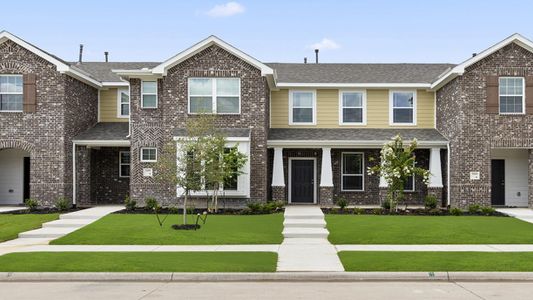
<point>524,214</point>
<point>305,246</point>
<point>439,248</point>
<point>66,224</point>
<point>5,209</point>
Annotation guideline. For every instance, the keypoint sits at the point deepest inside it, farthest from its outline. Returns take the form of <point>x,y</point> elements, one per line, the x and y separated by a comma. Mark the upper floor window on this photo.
<point>215,95</point>
<point>11,93</point>
<point>302,108</point>
<point>149,94</point>
<point>352,171</point>
<point>352,108</point>
<point>123,103</point>
<point>403,108</point>
<point>511,90</point>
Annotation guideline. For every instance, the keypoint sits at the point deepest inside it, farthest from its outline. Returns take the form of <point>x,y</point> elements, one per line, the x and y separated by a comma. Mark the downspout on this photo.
<point>448,173</point>
<point>74,174</point>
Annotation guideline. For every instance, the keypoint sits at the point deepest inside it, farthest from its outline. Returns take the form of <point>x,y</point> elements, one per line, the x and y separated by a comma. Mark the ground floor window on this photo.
<point>124,164</point>
<point>148,154</point>
<point>352,176</point>
<point>409,185</point>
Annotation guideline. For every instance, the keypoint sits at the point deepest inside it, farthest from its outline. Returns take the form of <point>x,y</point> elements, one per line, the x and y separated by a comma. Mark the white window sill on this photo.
<point>512,114</point>
<point>352,124</point>
<point>402,124</point>
<point>148,161</point>
<point>352,191</point>
<point>11,111</point>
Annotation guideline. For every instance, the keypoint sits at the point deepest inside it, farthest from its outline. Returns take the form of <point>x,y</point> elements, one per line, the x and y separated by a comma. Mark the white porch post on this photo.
<point>435,179</point>
<point>326,173</point>
<point>278,177</point>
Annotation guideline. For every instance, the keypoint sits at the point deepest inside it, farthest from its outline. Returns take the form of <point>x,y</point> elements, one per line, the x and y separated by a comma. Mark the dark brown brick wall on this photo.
<point>155,127</point>
<point>107,187</point>
<point>462,118</point>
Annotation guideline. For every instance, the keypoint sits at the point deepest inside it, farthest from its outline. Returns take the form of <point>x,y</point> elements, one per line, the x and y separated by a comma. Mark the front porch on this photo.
<point>101,165</point>
<point>319,166</point>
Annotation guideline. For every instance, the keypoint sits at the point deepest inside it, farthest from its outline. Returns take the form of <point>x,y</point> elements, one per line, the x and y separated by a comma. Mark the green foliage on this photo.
<point>456,211</point>
<point>386,205</point>
<point>263,208</point>
<point>377,211</point>
<point>31,204</point>
<point>358,211</point>
<point>341,202</point>
<point>474,209</point>
<point>488,211</point>
<point>151,203</point>
<point>62,204</point>
<point>130,204</point>
<point>430,202</point>
<point>398,163</point>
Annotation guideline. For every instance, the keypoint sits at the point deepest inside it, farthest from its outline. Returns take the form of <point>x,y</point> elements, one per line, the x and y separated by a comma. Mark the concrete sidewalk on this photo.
<point>439,248</point>
<point>6,209</point>
<point>524,214</point>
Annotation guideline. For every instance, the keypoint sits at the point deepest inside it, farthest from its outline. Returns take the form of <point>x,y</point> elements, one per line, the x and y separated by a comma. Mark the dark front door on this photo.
<point>26,178</point>
<point>498,182</point>
<point>302,181</point>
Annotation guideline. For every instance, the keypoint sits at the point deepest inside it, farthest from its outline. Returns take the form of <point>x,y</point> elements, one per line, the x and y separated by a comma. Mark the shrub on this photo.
<point>190,209</point>
<point>474,208</point>
<point>151,203</point>
<point>377,211</point>
<point>31,204</point>
<point>430,202</point>
<point>488,211</point>
<point>62,204</point>
<point>341,202</point>
<point>130,204</point>
<point>263,208</point>
<point>456,211</point>
<point>358,211</point>
<point>385,204</point>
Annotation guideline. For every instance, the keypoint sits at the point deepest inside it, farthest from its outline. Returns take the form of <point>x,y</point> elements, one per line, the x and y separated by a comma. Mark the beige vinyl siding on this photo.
<point>109,106</point>
<point>328,109</point>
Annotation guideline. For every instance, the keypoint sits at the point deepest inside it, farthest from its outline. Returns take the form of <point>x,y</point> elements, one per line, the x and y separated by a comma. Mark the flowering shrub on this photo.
<point>397,165</point>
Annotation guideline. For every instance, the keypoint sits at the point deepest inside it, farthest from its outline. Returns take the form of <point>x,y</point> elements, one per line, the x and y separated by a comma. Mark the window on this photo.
<point>352,171</point>
<point>511,95</point>
<point>149,94</point>
<point>124,164</point>
<point>230,183</point>
<point>302,108</point>
<point>403,108</point>
<point>149,154</point>
<point>409,184</point>
<point>11,93</point>
<point>123,103</point>
<point>352,108</point>
<point>214,95</point>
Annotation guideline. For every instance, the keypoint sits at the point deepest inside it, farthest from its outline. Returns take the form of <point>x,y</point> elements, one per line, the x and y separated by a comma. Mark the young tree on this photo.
<point>397,165</point>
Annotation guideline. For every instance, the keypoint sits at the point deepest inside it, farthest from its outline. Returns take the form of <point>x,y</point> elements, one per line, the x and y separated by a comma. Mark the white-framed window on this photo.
<point>352,107</point>
<point>11,98</point>
<point>215,95</point>
<point>149,94</point>
<point>231,183</point>
<point>123,103</point>
<point>511,95</point>
<point>302,108</point>
<point>148,154</point>
<point>402,107</point>
<point>352,171</point>
<point>409,185</point>
<point>124,161</point>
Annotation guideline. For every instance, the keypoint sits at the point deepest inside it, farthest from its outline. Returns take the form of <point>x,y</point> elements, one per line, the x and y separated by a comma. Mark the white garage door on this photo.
<point>11,176</point>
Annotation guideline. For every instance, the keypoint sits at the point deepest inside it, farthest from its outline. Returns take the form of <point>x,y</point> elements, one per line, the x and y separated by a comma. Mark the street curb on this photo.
<point>274,277</point>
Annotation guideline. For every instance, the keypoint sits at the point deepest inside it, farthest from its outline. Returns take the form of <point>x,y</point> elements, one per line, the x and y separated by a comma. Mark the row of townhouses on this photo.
<point>91,131</point>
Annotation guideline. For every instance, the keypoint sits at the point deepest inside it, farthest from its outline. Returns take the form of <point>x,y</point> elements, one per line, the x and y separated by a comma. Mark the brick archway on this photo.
<point>18,144</point>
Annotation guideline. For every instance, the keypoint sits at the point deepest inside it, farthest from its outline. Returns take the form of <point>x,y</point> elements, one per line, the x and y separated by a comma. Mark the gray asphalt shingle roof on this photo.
<point>358,134</point>
<point>101,71</point>
<point>228,132</point>
<point>358,73</point>
<point>116,131</point>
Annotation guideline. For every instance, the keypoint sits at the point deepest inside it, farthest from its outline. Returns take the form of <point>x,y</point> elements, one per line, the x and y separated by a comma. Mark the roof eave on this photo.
<point>346,143</point>
<point>352,85</point>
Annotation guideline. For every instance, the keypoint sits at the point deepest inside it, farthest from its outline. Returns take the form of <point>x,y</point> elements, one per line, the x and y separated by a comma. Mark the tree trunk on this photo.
<point>185,208</point>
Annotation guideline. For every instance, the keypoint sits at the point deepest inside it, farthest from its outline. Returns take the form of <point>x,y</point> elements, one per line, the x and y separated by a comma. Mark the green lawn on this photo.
<point>139,262</point>
<point>140,229</point>
<point>13,224</point>
<point>397,261</point>
<point>368,229</point>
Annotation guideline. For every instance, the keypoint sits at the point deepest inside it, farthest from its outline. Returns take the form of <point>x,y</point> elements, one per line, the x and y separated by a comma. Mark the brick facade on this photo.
<point>472,132</point>
<point>154,127</point>
<point>65,107</point>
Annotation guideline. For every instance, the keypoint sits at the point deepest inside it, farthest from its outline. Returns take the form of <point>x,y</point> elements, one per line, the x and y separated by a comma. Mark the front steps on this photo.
<point>304,222</point>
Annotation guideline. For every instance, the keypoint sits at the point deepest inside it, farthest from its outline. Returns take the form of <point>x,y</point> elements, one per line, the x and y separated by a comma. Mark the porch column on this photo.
<point>326,178</point>
<point>278,176</point>
<point>435,178</point>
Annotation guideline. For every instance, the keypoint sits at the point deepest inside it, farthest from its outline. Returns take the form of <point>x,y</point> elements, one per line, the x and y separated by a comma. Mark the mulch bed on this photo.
<point>403,212</point>
<point>40,211</point>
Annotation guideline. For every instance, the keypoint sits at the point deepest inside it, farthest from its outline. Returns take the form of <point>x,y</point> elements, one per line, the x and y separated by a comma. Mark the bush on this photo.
<point>377,211</point>
<point>31,204</point>
<point>456,211</point>
<point>430,202</point>
<point>151,203</point>
<point>264,208</point>
<point>358,211</point>
<point>474,209</point>
<point>341,202</point>
<point>488,211</point>
<point>385,204</point>
<point>130,204</point>
<point>190,209</point>
<point>62,204</point>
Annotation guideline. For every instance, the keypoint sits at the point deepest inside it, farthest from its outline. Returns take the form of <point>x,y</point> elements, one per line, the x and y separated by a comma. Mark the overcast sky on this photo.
<point>271,31</point>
